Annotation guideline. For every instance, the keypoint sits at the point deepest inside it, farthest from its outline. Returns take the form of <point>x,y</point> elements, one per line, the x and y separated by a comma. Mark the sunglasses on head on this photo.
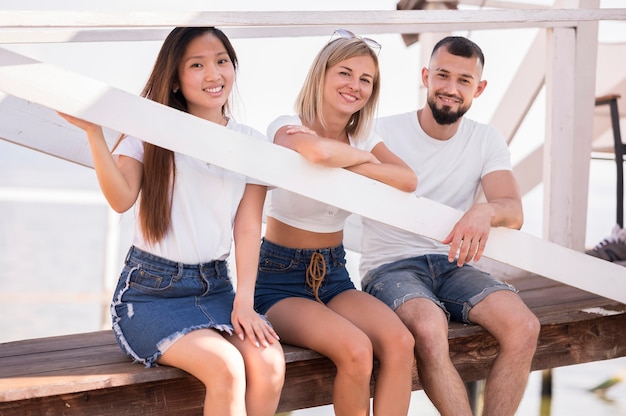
<point>346,34</point>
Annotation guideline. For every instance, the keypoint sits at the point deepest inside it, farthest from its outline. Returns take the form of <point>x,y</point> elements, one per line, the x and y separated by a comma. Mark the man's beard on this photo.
<point>445,116</point>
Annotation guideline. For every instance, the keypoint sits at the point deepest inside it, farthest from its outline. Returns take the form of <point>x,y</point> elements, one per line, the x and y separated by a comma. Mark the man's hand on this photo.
<point>469,236</point>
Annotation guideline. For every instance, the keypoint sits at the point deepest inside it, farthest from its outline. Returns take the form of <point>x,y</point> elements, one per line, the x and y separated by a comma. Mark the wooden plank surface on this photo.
<point>179,397</point>
<point>89,370</point>
<point>37,368</point>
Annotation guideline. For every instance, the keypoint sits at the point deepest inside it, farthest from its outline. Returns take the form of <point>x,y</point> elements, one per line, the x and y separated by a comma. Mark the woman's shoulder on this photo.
<point>284,120</point>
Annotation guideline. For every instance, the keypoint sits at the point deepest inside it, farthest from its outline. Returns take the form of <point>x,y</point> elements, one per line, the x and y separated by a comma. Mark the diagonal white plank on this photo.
<point>121,111</point>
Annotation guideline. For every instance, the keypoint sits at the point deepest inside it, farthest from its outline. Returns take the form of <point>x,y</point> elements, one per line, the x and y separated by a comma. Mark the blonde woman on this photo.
<point>303,285</point>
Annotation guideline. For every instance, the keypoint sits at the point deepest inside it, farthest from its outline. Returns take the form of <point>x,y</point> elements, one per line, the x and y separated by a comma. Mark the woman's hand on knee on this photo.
<point>247,323</point>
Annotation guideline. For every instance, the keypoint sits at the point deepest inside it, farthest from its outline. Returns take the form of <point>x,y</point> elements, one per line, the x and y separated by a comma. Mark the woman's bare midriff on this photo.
<point>287,236</point>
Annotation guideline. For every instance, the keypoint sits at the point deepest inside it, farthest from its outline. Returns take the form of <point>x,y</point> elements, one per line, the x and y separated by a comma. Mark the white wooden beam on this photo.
<point>119,110</point>
<point>570,88</point>
<point>117,19</point>
<point>44,129</point>
<point>558,162</point>
<point>584,105</point>
<point>48,25</point>
<point>506,4</point>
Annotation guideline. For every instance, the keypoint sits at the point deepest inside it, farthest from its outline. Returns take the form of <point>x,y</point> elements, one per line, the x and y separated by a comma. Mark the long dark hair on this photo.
<point>158,166</point>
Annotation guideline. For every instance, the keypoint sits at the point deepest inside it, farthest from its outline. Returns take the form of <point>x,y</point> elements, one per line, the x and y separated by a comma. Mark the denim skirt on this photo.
<point>157,301</point>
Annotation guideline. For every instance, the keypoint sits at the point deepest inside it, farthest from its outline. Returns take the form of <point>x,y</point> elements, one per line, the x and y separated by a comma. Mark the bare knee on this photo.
<point>428,325</point>
<point>356,358</point>
<point>404,340</point>
<point>222,374</point>
<point>275,368</point>
<point>531,326</point>
<point>228,375</point>
<point>517,332</point>
<point>526,332</point>
<point>404,344</point>
<point>431,339</point>
<point>506,317</point>
<point>267,369</point>
<point>398,347</point>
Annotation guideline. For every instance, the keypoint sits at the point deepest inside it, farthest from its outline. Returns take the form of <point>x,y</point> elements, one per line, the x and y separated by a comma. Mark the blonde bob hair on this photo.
<point>310,99</point>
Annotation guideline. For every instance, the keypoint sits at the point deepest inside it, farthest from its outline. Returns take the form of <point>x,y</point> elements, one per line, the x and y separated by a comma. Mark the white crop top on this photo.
<point>206,199</point>
<point>302,212</point>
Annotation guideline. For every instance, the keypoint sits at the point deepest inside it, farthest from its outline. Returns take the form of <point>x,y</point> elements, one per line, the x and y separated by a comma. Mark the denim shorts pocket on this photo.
<point>271,264</point>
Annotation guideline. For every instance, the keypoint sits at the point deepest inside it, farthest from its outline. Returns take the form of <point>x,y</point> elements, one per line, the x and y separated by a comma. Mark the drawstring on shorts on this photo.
<point>315,273</point>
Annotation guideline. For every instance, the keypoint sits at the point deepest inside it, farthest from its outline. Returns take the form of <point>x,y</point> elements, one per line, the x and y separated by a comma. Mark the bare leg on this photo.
<point>218,364</point>
<point>516,328</point>
<point>441,382</point>
<point>393,347</point>
<point>310,324</point>
<point>265,374</point>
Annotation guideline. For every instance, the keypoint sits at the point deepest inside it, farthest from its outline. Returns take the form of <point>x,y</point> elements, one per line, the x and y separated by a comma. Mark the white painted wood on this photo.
<point>95,101</point>
<point>62,35</point>
<point>502,4</point>
<point>44,130</point>
<point>19,26</point>
<point>558,162</point>
<point>170,18</point>
<point>570,92</point>
<point>584,105</point>
<point>138,34</point>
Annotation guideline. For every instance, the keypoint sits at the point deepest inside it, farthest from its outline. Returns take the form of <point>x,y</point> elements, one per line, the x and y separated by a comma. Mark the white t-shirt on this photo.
<point>302,212</point>
<point>447,171</point>
<point>206,198</point>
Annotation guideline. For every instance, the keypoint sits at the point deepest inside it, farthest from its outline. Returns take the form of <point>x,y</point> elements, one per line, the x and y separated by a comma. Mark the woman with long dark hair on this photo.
<point>174,303</point>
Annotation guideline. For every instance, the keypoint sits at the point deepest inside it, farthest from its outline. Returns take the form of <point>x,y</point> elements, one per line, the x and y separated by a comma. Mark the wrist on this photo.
<point>243,300</point>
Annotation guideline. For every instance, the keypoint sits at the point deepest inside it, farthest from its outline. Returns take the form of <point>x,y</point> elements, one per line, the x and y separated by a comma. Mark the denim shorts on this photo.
<point>157,301</point>
<point>455,289</point>
<point>282,274</point>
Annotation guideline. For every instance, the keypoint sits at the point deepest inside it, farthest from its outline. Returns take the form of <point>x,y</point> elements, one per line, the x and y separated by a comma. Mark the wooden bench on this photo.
<point>87,374</point>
